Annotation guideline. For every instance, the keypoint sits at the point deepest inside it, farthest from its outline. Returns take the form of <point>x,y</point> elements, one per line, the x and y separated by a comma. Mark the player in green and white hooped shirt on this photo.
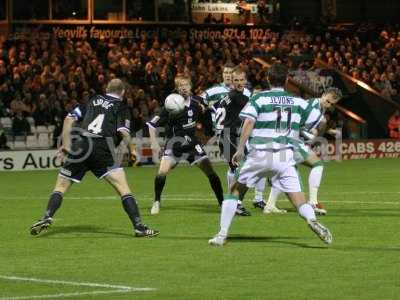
<point>316,125</point>
<point>218,92</point>
<point>272,123</point>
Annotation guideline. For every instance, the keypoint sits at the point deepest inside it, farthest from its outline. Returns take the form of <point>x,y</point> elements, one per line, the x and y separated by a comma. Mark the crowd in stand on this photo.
<point>44,79</point>
<point>368,53</point>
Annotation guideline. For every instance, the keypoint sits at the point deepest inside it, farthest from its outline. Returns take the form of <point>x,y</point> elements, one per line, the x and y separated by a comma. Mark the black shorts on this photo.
<point>228,147</point>
<point>89,154</point>
<point>182,149</point>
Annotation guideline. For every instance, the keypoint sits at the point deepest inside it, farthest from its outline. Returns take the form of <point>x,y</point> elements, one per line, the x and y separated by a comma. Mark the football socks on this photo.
<point>159,183</point>
<point>307,212</point>
<point>273,197</point>
<point>53,204</point>
<point>216,186</point>
<point>132,209</point>
<point>227,213</point>
<point>314,180</point>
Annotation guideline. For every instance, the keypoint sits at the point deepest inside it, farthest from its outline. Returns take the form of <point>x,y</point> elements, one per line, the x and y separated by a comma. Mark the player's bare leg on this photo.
<point>215,183</point>
<point>306,211</point>
<point>227,213</point>
<point>55,200</point>
<point>117,179</point>
<point>240,210</point>
<point>228,149</point>
<point>166,165</point>
<point>314,181</point>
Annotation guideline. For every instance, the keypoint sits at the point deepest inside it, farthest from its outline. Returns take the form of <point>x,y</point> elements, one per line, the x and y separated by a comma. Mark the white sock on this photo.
<point>307,212</point>
<point>259,190</point>
<point>227,213</point>
<point>273,197</point>
<point>314,180</point>
<point>230,179</point>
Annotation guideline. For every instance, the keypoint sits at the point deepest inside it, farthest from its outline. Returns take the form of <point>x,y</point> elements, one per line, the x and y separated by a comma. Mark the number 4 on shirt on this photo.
<point>96,125</point>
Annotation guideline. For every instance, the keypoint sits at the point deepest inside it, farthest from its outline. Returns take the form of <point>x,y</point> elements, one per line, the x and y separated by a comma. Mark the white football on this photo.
<point>174,103</point>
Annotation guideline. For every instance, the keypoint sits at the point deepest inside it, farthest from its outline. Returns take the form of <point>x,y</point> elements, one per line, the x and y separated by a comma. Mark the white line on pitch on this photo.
<point>89,284</point>
<point>67,295</point>
<point>113,288</point>
<point>105,197</point>
<point>211,199</point>
<point>325,201</point>
<point>181,197</point>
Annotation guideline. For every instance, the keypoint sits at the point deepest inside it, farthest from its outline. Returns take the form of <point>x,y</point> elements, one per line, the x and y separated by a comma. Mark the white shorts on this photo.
<point>279,166</point>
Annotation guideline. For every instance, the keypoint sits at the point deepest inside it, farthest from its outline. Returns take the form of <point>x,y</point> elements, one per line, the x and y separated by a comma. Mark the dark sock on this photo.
<point>132,209</point>
<point>216,185</point>
<point>241,195</point>
<point>53,204</point>
<point>159,183</point>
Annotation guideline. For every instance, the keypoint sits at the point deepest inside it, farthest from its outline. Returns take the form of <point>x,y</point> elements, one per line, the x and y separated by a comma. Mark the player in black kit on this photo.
<point>228,125</point>
<point>104,122</point>
<point>182,143</point>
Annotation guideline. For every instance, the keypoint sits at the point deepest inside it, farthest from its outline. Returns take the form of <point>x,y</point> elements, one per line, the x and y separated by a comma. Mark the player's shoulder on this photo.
<point>274,92</point>
<point>217,89</point>
<point>278,97</point>
<point>123,105</point>
<point>94,98</point>
<point>300,101</point>
<point>315,102</point>
<point>195,101</point>
<point>104,99</point>
<point>270,93</point>
<point>196,98</point>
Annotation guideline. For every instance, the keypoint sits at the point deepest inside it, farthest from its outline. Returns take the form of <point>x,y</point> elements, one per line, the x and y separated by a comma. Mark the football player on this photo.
<point>272,122</point>
<point>218,92</point>
<point>227,126</point>
<point>217,99</point>
<point>181,143</point>
<point>104,121</point>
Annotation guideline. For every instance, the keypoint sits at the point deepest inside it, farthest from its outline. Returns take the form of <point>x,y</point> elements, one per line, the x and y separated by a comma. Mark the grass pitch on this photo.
<point>267,257</point>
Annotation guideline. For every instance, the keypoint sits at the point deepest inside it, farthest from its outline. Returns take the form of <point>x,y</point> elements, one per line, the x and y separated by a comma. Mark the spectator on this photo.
<point>394,125</point>
<point>263,12</point>
<point>43,115</point>
<point>3,139</point>
<point>3,110</point>
<point>16,105</point>
<point>20,125</point>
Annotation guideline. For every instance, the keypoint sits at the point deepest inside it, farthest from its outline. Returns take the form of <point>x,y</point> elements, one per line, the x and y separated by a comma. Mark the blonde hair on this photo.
<point>181,79</point>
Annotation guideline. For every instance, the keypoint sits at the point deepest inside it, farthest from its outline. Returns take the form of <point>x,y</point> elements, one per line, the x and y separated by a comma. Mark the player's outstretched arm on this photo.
<point>66,137</point>
<point>66,132</point>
